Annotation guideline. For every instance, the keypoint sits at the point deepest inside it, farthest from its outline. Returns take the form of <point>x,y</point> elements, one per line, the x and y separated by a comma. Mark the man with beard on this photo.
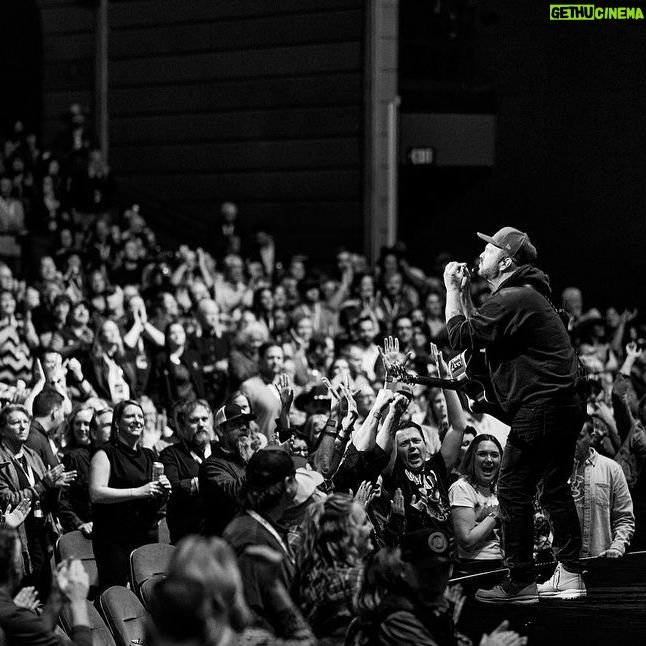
<point>534,372</point>
<point>182,462</point>
<point>261,390</point>
<point>222,475</point>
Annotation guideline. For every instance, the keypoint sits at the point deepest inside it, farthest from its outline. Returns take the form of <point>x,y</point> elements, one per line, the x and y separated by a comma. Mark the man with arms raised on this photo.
<point>533,368</point>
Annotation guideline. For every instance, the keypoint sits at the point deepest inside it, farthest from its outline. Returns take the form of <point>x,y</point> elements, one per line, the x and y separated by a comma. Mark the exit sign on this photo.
<point>421,156</point>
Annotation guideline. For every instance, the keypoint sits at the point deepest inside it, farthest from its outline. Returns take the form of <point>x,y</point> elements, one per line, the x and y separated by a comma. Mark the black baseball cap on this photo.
<point>230,412</point>
<point>268,467</point>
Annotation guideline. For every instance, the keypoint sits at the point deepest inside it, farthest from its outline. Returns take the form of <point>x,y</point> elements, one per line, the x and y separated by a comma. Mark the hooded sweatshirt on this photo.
<point>530,358</point>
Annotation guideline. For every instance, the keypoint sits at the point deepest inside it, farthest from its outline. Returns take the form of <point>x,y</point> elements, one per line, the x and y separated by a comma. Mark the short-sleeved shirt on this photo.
<point>463,494</point>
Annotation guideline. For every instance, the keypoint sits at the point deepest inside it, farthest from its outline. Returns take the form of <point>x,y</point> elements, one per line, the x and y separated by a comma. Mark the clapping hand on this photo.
<point>17,517</point>
<point>27,598</point>
<point>72,580</point>
<point>57,478</point>
<point>454,595</point>
<point>501,636</point>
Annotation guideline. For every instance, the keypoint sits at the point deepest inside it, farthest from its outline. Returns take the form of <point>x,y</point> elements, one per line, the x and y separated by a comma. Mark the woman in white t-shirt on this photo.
<point>474,506</point>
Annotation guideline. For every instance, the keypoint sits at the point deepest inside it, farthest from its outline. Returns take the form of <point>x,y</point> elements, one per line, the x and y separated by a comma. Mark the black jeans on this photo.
<point>539,451</point>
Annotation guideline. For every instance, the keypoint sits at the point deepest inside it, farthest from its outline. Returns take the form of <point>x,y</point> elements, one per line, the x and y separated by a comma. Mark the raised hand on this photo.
<point>365,493</point>
<point>393,359</point>
<point>397,503</point>
<point>39,373</point>
<point>633,351</point>
<point>285,391</point>
<point>73,365</point>
<point>349,398</point>
<point>438,360</point>
<point>335,405</point>
<point>400,403</point>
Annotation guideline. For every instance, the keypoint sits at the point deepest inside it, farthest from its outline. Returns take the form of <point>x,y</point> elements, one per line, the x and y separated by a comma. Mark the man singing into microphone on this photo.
<point>533,368</point>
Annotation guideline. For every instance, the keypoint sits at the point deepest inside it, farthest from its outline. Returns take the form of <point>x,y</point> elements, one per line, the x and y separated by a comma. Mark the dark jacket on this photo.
<point>242,532</point>
<point>39,442</point>
<point>74,508</point>
<point>398,621</point>
<point>164,389</point>
<point>185,509</point>
<point>221,478</point>
<point>11,492</point>
<point>530,357</point>
<point>22,627</point>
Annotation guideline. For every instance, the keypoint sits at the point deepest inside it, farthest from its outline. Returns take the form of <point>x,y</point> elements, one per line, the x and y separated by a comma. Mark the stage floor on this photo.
<point>614,612</point>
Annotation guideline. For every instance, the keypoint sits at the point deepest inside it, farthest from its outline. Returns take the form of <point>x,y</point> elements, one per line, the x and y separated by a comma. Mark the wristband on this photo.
<point>377,415</point>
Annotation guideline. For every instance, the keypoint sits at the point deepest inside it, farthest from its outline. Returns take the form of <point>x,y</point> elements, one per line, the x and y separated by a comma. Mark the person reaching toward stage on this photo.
<point>534,371</point>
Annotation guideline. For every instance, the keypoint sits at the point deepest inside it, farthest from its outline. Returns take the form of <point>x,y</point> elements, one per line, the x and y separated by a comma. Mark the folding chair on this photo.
<point>75,545</point>
<point>124,614</point>
<point>147,561</point>
<point>146,589</point>
<point>101,635</point>
<point>163,532</point>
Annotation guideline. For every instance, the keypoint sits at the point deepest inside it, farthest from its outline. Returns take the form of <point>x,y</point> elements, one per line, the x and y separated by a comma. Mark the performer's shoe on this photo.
<point>563,585</point>
<point>509,592</point>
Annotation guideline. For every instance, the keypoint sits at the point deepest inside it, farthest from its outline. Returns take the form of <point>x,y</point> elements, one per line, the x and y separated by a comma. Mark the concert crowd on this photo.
<point>261,414</point>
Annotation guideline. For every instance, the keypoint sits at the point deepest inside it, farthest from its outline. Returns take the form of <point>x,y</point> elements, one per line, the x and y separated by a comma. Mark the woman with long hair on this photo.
<point>74,503</point>
<point>474,506</point>
<point>212,563</point>
<point>182,462</point>
<point>126,496</point>
<point>114,373</point>
<point>404,599</point>
<point>336,540</point>
<point>178,370</point>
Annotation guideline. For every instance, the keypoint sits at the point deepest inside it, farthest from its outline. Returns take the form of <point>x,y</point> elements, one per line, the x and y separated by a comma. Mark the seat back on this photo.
<point>146,589</point>
<point>147,561</point>
<point>101,635</point>
<point>163,532</point>
<point>124,614</point>
<point>75,545</point>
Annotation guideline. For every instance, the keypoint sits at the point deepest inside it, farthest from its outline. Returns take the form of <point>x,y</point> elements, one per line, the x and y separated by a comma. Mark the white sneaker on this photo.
<point>562,585</point>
